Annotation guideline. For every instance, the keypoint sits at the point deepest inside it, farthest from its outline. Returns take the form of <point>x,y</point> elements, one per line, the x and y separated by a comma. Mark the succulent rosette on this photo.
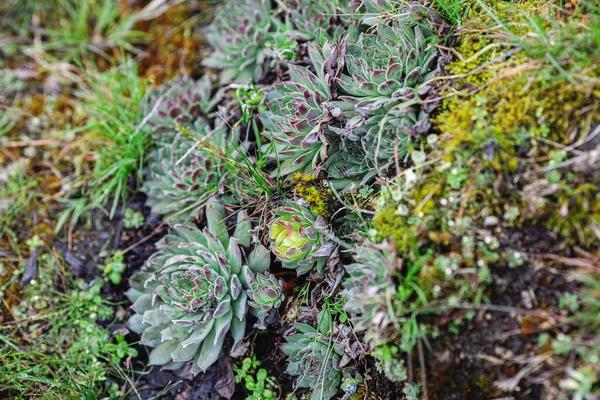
<point>301,240</point>
<point>372,12</point>
<point>265,293</point>
<point>189,294</point>
<point>319,21</point>
<point>181,174</point>
<point>384,89</point>
<point>347,166</point>
<point>297,121</point>
<point>239,35</point>
<point>314,357</point>
<point>369,287</point>
<point>183,103</point>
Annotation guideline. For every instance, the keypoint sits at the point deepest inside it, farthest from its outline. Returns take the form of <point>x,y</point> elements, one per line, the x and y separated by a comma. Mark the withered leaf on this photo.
<point>32,268</point>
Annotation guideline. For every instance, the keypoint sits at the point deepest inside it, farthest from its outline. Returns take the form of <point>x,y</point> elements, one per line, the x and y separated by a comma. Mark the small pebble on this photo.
<point>491,220</point>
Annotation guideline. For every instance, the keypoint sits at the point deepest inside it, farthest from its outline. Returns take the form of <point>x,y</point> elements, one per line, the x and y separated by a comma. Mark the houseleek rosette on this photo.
<point>369,287</point>
<point>299,239</point>
<point>319,21</point>
<point>297,121</point>
<point>183,103</point>
<point>314,357</point>
<point>178,177</point>
<point>188,168</point>
<point>189,294</point>
<point>239,36</point>
<point>306,125</point>
<point>265,293</point>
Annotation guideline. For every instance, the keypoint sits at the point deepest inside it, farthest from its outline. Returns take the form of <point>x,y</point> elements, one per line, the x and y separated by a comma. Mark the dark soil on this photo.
<point>495,344</point>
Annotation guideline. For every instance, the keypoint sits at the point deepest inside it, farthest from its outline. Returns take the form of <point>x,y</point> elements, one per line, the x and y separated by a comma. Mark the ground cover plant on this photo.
<point>299,199</point>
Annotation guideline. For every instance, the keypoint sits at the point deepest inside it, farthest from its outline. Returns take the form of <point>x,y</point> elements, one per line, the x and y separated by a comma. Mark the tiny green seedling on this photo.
<point>114,268</point>
<point>132,219</point>
<point>256,381</point>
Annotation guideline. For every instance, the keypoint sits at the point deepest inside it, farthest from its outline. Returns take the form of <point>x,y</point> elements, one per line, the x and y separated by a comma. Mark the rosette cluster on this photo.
<point>239,36</point>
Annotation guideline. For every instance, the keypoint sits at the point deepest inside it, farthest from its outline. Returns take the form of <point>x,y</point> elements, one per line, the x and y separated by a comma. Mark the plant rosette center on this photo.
<point>291,240</point>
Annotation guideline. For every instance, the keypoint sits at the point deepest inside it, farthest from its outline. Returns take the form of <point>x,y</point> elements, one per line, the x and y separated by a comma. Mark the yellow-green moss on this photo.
<point>512,112</point>
<point>512,99</point>
<point>390,225</point>
<point>469,49</point>
<point>477,49</point>
<point>318,198</point>
<point>513,122</point>
<point>574,212</point>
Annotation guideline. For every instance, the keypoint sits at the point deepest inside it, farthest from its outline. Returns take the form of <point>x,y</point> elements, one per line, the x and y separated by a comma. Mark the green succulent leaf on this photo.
<point>243,229</point>
<point>259,259</point>
<point>215,217</point>
<point>161,355</point>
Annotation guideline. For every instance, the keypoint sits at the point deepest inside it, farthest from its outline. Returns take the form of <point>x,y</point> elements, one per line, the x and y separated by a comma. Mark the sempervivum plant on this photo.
<point>265,293</point>
<point>384,89</point>
<point>318,21</point>
<point>372,12</point>
<point>369,288</point>
<point>184,102</point>
<point>314,357</point>
<point>238,36</point>
<point>299,116</point>
<point>189,294</point>
<point>180,176</point>
<point>301,240</point>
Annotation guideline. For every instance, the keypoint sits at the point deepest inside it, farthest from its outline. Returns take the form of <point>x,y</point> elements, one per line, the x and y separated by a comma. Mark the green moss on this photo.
<point>389,225</point>
<point>473,52</point>
<point>510,114</point>
<point>508,99</point>
<point>513,125</point>
<point>478,55</point>
<point>574,213</point>
<point>312,191</point>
